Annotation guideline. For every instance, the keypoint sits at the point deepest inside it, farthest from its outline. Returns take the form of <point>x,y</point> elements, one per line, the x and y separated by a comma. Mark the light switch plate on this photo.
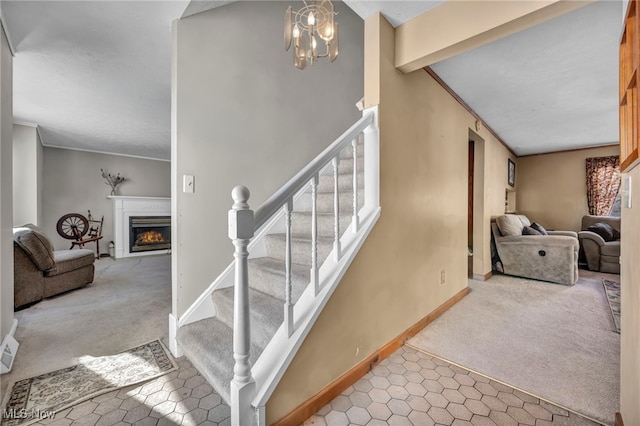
<point>188,183</point>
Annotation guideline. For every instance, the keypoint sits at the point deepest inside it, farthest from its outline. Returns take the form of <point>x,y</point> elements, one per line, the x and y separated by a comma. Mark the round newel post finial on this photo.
<point>240,195</point>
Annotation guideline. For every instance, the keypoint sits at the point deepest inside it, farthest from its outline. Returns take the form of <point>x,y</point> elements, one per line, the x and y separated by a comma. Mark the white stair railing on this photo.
<point>252,386</point>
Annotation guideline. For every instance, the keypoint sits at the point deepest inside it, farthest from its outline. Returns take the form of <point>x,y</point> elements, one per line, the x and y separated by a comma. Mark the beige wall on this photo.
<point>6,187</point>
<point>552,188</point>
<point>494,185</point>
<point>630,306</point>
<point>243,114</point>
<point>73,183</point>
<point>395,279</point>
<point>27,175</point>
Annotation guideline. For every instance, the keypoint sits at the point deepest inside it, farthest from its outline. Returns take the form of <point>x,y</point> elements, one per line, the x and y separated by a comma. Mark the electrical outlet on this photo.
<point>188,184</point>
<point>442,277</point>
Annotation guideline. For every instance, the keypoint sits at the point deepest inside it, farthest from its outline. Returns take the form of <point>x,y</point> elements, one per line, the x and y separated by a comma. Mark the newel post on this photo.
<point>242,386</point>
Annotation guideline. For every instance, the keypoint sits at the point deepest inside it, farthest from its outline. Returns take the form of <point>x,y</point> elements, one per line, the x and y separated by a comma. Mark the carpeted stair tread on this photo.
<point>266,313</point>
<point>266,274</point>
<point>346,165</point>
<point>347,152</point>
<point>325,202</point>
<point>300,248</point>
<point>208,344</point>
<point>301,223</point>
<point>345,182</point>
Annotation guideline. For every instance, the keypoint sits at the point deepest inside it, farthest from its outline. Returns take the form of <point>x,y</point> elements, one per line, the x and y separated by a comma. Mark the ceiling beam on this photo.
<point>455,27</point>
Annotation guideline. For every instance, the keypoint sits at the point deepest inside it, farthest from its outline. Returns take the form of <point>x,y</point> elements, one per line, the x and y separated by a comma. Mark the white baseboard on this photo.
<point>9,349</point>
<point>173,337</point>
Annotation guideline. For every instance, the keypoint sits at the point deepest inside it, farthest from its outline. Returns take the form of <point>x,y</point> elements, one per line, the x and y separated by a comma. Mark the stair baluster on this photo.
<point>240,232</point>
<point>336,209</point>
<point>354,221</point>
<point>288,306</point>
<point>314,234</point>
<point>247,379</point>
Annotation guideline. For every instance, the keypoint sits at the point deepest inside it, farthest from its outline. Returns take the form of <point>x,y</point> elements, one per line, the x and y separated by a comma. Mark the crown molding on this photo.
<point>140,157</point>
<point>466,106</point>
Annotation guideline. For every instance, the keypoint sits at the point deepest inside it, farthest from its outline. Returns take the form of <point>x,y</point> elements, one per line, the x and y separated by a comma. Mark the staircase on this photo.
<point>295,260</point>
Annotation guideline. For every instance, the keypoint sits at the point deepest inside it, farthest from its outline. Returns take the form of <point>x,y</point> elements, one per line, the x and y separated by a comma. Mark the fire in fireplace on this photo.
<point>148,233</point>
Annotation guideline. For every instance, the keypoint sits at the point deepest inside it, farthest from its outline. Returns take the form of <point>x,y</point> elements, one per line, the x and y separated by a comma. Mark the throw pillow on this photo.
<point>603,229</point>
<point>539,228</point>
<point>616,234</point>
<point>530,230</point>
<point>509,225</point>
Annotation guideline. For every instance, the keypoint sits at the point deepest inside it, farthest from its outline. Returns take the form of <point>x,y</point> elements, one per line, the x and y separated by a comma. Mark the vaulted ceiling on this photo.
<point>96,75</point>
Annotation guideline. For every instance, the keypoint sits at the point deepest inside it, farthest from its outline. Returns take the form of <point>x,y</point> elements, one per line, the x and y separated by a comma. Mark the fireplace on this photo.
<point>147,233</point>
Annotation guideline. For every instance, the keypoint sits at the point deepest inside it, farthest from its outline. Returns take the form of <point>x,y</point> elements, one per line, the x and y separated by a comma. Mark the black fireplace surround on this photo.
<point>147,233</point>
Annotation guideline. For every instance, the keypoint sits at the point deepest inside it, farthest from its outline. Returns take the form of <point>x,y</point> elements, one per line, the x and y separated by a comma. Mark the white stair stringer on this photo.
<point>205,333</point>
<point>301,225</point>
<point>268,370</point>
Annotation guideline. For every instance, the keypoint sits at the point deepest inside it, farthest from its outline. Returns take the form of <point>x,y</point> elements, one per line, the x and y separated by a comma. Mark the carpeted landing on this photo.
<point>553,341</point>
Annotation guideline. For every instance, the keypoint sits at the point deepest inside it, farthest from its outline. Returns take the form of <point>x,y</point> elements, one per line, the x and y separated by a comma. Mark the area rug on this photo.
<point>612,290</point>
<point>40,397</point>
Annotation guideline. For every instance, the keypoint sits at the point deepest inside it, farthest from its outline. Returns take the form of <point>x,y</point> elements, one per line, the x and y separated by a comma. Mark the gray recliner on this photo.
<point>601,255</point>
<point>552,258</point>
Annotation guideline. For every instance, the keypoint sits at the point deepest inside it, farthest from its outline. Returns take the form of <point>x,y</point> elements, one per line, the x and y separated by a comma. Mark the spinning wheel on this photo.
<point>83,230</point>
<point>72,226</point>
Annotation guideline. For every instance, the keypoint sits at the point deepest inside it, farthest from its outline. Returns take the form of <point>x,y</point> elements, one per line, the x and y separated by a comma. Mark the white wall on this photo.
<point>6,188</point>
<point>27,175</point>
<point>73,183</point>
<point>243,114</point>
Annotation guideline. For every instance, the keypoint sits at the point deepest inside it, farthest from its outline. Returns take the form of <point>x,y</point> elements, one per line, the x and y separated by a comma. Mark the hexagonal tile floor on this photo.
<point>182,397</point>
<point>408,388</point>
<point>414,388</point>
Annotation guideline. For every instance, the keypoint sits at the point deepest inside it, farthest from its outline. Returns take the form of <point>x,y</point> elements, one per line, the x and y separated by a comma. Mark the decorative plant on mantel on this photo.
<point>113,180</point>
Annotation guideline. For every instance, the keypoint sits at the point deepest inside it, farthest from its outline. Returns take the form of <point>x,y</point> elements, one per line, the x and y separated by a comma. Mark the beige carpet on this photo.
<point>554,341</point>
<point>128,304</point>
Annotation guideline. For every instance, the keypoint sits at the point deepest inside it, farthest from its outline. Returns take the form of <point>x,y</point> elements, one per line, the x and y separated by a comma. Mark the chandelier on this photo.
<point>303,29</point>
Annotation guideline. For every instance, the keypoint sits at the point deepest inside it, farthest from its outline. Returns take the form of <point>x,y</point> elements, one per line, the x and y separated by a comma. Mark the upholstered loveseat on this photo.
<point>552,257</point>
<point>601,254</point>
<point>40,271</point>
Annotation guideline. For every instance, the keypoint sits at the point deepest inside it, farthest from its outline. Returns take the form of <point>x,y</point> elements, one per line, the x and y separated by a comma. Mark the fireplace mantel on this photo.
<point>126,206</point>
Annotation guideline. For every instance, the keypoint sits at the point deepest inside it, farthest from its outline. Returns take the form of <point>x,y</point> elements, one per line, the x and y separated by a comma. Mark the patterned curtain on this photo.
<point>603,184</point>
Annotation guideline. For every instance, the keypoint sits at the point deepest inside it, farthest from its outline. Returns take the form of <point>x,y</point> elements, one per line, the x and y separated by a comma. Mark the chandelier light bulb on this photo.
<point>315,19</point>
<point>327,34</point>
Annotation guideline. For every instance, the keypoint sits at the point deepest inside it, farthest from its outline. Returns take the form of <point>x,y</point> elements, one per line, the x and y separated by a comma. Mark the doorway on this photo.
<point>470,209</point>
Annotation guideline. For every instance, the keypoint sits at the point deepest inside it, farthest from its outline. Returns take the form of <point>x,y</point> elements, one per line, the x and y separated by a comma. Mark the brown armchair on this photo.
<point>601,254</point>
<point>39,271</point>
